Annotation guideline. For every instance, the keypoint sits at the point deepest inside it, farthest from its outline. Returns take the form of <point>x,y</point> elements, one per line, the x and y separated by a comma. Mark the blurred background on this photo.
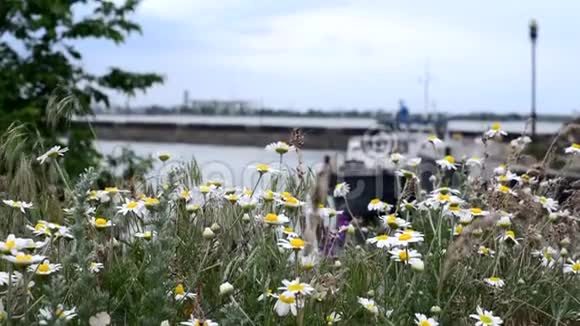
<point>218,80</point>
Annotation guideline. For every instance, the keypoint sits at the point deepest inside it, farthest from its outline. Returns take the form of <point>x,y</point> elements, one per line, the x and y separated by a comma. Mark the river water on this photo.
<point>230,164</point>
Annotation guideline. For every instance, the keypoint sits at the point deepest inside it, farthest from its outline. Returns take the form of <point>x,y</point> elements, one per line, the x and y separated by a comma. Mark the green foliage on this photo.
<point>38,56</point>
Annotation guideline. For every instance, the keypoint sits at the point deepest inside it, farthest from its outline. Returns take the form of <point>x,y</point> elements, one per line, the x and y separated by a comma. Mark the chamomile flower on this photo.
<point>151,202</point>
<point>378,205</point>
<point>52,153</point>
<point>495,131</point>
<point>394,222</point>
<point>263,168</point>
<point>296,287</point>
<point>147,235</point>
<point>341,189</point>
<point>198,322</point>
<point>548,203</point>
<point>21,205</point>
<point>447,163</point>
<point>572,267</point>
<point>274,219</point>
<point>405,256</point>
<point>179,293</point>
<point>406,174</point>
<point>333,317</point>
<point>414,162</point>
<point>408,236</point>
<point>50,316</point>
<point>511,236</point>
<point>131,206</point>
<point>286,303</point>
<point>494,281</point>
<point>457,230</point>
<point>396,158</point>
<point>547,256</point>
<point>12,244</point>
<point>485,251</point>
<point>247,202</point>
<point>44,268</point>
<point>291,202</point>
<point>308,262</point>
<point>422,320</point>
<point>505,190</point>
<point>505,221</point>
<point>477,212</point>
<point>486,318</point>
<point>101,223</point>
<point>465,219</point>
<point>369,304</point>
<point>520,143</point>
<point>573,149</point>
<point>434,140</point>
<point>280,147</point>
<point>292,243</point>
<point>500,169</point>
<point>382,241</point>
<point>23,259</point>
<point>95,267</point>
<point>408,206</point>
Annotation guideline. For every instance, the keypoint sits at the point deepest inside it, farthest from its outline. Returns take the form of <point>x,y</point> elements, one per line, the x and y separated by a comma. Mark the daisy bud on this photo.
<point>565,242</point>
<point>208,234</point>
<point>246,218</point>
<point>215,227</point>
<point>564,252</point>
<point>337,264</point>
<point>435,309</point>
<point>226,288</point>
<point>371,293</point>
<point>521,281</point>
<point>418,266</point>
<point>553,217</point>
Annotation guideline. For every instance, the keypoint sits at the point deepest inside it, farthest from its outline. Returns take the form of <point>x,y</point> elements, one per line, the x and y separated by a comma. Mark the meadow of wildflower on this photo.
<point>179,250</point>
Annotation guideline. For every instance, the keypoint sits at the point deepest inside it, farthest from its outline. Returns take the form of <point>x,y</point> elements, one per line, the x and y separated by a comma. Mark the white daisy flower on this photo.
<point>5,277</point>
<point>296,287</point>
<point>408,236</point>
<point>263,168</point>
<point>54,152</point>
<point>280,147</point>
<point>378,205</point>
<point>22,205</point>
<point>286,303</point>
<point>505,190</point>
<point>179,293</point>
<point>198,322</point>
<point>341,189</point>
<point>147,235</point>
<point>95,267</point>
<point>572,267</point>
<point>369,304</point>
<point>510,235</point>
<point>573,149</point>
<point>414,162</point>
<point>477,212</point>
<point>447,163</point>
<point>247,203</point>
<point>396,158</point>
<point>308,262</point>
<point>422,320</point>
<point>405,256</point>
<point>548,203</point>
<point>485,251</point>
<point>505,221</point>
<point>486,318</point>
<point>495,131</point>
<point>292,243</point>
<point>12,244</point>
<point>408,206</point>
<point>394,222</point>
<point>494,281</point>
<point>382,241</point>
<point>44,268</point>
<point>50,316</point>
<point>333,317</point>
<point>500,170</point>
<point>134,206</point>
<point>290,202</point>
<point>101,223</point>
<point>434,140</point>
<point>274,219</point>
<point>547,255</point>
<point>23,259</point>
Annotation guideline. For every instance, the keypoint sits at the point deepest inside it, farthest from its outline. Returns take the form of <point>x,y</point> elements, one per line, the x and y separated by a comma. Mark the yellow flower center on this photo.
<point>382,237</point>
<point>494,279</point>
<point>151,201</point>
<point>424,323</point>
<point>292,201</point>
<point>59,312</point>
<point>370,306</point>
<point>40,227</point>
<point>297,243</point>
<point>202,189</point>
<point>164,157</point>
<point>510,234</point>
<point>576,267</point>
<point>296,287</point>
<point>476,211</point>
<point>576,146</point>
<point>262,168</point>
<point>282,148</point>
<point>405,237</point>
<point>288,229</point>
<point>268,195</point>
<point>484,250</point>
<point>392,220</point>
<point>10,244</point>
<point>496,126</point>
<point>375,201</point>
<point>486,319</point>
<point>443,197</point>
<point>44,268</point>
<point>179,290</point>
<point>504,189</point>
<point>111,189</point>
<point>132,205</point>
<point>458,229</point>
<point>403,256</point>
<point>287,299</point>
<point>100,222</point>
<point>23,258</point>
<point>449,159</point>
<point>503,178</point>
<point>432,138</point>
<point>271,218</point>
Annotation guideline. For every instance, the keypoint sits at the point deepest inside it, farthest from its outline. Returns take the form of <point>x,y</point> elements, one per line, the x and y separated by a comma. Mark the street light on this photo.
<point>533,38</point>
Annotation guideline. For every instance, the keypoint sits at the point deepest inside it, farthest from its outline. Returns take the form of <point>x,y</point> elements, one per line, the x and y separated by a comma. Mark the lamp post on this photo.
<point>533,38</point>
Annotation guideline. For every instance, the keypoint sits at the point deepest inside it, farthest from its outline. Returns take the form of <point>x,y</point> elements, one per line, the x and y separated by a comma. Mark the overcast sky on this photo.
<point>344,54</point>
